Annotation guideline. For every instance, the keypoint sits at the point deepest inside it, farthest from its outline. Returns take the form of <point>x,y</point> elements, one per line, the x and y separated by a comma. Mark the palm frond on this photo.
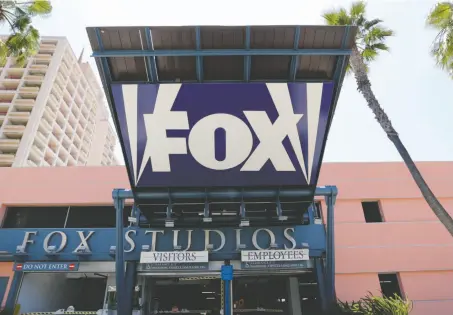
<point>371,35</point>
<point>441,16</point>
<point>357,9</point>
<point>39,7</point>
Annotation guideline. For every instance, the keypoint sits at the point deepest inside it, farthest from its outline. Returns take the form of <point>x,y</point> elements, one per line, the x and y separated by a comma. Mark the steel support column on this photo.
<point>119,255</point>
<point>321,279</point>
<point>13,292</point>
<point>330,258</point>
<point>131,270</point>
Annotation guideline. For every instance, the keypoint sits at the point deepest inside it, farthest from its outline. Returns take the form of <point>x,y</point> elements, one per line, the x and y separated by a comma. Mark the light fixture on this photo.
<point>283,218</point>
<point>82,250</point>
<point>146,248</point>
<point>207,219</point>
<point>20,249</point>
<point>305,245</point>
<point>51,250</point>
<point>210,247</point>
<point>132,219</point>
<point>112,250</point>
<point>177,247</point>
<point>273,246</point>
<point>244,223</point>
<point>240,246</point>
<point>169,223</point>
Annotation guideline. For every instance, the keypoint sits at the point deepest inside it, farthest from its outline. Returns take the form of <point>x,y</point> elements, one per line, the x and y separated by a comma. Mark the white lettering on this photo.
<point>255,238</point>
<point>130,241</point>
<point>84,241</point>
<point>289,238</point>
<point>63,242</point>
<point>189,239</point>
<point>159,146</point>
<point>271,137</point>
<point>154,238</point>
<point>27,240</point>
<point>207,239</point>
<point>238,142</point>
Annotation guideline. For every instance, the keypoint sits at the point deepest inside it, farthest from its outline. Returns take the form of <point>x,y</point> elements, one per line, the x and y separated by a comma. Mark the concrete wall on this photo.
<point>411,241</point>
<point>6,270</point>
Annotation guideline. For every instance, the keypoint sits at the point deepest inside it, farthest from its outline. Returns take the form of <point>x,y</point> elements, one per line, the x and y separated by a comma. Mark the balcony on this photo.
<point>40,140</point>
<point>38,69</point>
<point>31,163</point>
<point>47,48</point>
<point>9,145</point>
<point>24,104</point>
<point>45,126</point>
<point>33,80</point>
<point>19,117</point>
<point>13,131</point>
<point>6,159</point>
<point>29,92</point>
<point>4,106</point>
<point>43,57</point>
<point>17,72</point>
<point>10,83</point>
<point>35,153</point>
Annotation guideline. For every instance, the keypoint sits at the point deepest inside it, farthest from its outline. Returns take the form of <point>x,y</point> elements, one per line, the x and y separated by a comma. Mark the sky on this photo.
<point>413,91</point>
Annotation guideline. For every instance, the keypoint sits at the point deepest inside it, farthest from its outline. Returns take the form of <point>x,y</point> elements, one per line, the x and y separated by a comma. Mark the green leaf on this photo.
<point>371,35</point>
<point>39,7</point>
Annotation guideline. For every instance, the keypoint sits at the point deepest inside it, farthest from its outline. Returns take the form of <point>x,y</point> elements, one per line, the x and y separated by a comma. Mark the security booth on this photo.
<point>223,130</point>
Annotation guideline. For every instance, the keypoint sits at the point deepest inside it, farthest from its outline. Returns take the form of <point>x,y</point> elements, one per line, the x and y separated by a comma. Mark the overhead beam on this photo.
<point>223,52</point>
<point>264,193</point>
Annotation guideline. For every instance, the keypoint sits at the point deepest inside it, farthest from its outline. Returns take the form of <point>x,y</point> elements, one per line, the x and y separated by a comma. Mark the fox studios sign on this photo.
<point>199,135</point>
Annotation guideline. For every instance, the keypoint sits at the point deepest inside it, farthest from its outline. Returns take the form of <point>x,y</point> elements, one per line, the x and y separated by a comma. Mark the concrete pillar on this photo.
<point>294,296</point>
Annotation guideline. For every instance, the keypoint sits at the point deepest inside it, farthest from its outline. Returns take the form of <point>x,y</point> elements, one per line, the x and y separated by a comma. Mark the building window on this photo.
<point>317,210</point>
<point>35,217</point>
<point>372,211</point>
<point>389,284</point>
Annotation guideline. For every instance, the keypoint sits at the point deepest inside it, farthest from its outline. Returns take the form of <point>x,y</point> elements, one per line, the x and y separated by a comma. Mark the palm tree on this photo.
<point>369,42</point>
<point>441,19</point>
<point>24,38</point>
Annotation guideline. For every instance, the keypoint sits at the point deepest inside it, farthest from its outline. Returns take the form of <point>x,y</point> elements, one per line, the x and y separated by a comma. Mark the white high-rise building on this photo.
<point>52,111</point>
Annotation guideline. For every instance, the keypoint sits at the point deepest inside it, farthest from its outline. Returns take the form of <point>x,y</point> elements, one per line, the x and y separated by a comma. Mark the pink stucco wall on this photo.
<point>411,241</point>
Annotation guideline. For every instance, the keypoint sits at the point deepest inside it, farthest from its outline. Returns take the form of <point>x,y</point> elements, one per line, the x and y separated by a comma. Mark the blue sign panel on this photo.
<point>95,244</point>
<point>46,266</point>
<point>203,135</point>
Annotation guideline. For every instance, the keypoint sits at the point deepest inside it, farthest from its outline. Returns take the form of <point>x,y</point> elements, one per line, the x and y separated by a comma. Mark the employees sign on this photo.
<point>275,255</point>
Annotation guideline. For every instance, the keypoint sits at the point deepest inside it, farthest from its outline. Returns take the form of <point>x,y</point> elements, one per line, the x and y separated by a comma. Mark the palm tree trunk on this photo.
<point>364,87</point>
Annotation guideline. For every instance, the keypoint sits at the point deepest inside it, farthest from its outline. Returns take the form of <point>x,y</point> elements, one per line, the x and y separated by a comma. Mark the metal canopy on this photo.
<point>221,53</point>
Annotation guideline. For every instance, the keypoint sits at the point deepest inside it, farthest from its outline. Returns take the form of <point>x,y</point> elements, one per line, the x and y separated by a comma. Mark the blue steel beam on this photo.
<point>104,64</point>
<point>320,191</point>
<point>294,59</point>
<point>150,61</point>
<point>247,58</point>
<point>199,60</point>
<point>330,250</point>
<point>340,63</point>
<point>223,52</point>
<point>119,255</point>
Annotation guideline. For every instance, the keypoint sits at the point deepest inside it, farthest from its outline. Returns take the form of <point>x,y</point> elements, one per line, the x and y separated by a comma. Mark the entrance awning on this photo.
<point>222,107</point>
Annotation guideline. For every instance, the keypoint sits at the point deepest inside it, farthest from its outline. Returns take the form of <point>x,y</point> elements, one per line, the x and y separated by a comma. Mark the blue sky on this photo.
<point>415,94</point>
